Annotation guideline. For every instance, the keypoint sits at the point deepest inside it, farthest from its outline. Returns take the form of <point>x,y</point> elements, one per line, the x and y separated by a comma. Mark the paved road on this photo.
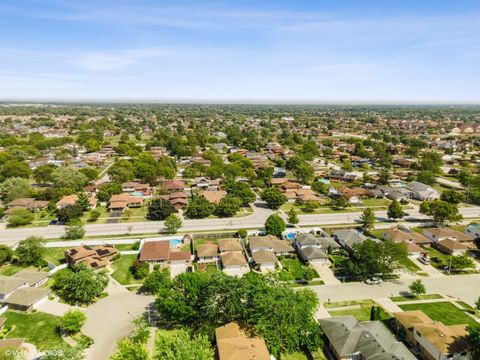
<point>111,318</point>
<point>255,220</point>
<point>451,183</point>
<point>465,287</point>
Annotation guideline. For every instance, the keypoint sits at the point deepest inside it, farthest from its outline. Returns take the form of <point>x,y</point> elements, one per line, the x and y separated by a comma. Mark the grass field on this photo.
<point>366,302</point>
<point>417,297</point>
<point>11,269</point>
<point>122,270</point>
<point>55,255</point>
<point>293,269</point>
<point>37,328</point>
<point>361,311</point>
<point>445,312</point>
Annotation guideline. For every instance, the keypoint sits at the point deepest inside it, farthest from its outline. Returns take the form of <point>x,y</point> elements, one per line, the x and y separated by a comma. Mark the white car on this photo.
<point>373,281</point>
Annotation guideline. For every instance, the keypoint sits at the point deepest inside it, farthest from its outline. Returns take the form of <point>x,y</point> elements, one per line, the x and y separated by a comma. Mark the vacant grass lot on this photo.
<point>37,328</point>
<point>122,270</point>
<point>445,312</point>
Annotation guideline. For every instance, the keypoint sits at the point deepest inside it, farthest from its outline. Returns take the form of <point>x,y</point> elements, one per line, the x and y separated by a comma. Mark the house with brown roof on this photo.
<point>269,243</point>
<point>432,339</point>
<point>26,203</point>
<point>120,202</point>
<point>96,257</point>
<point>136,188</point>
<point>229,244</point>
<point>412,239</point>
<point>265,260</point>
<point>160,252</point>
<point>207,253</point>
<point>173,185</point>
<point>234,263</point>
<point>233,343</point>
<point>214,197</point>
<point>72,199</point>
<point>178,199</point>
<point>440,233</point>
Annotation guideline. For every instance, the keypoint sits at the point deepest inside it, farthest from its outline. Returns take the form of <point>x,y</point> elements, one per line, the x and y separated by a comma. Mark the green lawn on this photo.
<point>410,265</point>
<point>417,297</point>
<point>11,269</point>
<point>125,247</point>
<point>361,314</point>
<point>293,269</point>
<point>376,202</point>
<point>209,269</point>
<point>294,356</point>
<point>366,302</point>
<point>102,219</point>
<point>37,328</point>
<point>122,270</point>
<point>201,241</point>
<point>134,214</point>
<point>445,312</point>
<point>55,255</point>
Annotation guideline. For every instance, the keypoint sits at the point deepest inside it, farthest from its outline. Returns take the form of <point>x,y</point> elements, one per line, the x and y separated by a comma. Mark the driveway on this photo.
<point>55,308</point>
<point>326,274</point>
<point>111,318</point>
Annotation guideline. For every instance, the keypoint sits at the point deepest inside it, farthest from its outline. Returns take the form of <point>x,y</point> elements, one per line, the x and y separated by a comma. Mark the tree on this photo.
<point>367,219</point>
<point>156,281</point>
<point>441,211</point>
<point>15,188</point>
<point>90,173</point>
<point>427,177</point>
<point>6,254</point>
<point>121,171</point>
<point>227,206</point>
<point>66,178</point>
<point>82,201</point>
<point>395,210</point>
<point>30,251</point>
<point>140,269</point>
<point>274,198</point>
<point>383,176</point>
<point>292,217</point>
<point>452,197</point>
<point>319,187</point>
<point>74,232</point>
<point>371,258</point>
<point>375,313</point>
<point>179,344</point>
<point>20,217</point>
<point>79,285</point>
<point>72,321</point>
<point>173,223</point>
<point>14,168</point>
<point>304,172</point>
<point>460,262</point>
<point>68,213</point>
<point>130,350</point>
<point>417,287</point>
<point>160,209</point>
<point>473,339</point>
<point>275,225</point>
<point>339,202</point>
<point>106,191</point>
<point>199,208</point>
<point>43,173</point>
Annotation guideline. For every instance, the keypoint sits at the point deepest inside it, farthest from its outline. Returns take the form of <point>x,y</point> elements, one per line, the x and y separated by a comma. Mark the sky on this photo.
<point>322,51</point>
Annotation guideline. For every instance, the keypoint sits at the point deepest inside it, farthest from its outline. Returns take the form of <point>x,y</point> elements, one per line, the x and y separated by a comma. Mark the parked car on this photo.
<point>424,260</point>
<point>373,281</point>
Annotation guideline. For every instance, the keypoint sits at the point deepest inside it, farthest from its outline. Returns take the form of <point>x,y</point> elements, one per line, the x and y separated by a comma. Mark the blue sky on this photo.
<point>422,51</point>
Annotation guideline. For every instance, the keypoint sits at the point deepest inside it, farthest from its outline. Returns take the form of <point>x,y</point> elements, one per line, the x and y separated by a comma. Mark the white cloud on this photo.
<point>109,61</point>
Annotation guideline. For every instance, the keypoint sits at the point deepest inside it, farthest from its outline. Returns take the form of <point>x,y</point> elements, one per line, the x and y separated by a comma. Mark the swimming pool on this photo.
<point>175,242</point>
<point>137,193</point>
<point>291,236</point>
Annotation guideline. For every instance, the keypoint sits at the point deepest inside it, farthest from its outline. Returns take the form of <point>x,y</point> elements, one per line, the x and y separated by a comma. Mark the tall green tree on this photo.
<point>199,208</point>
<point>30,251</point>
<point>441,211</point>
<point>367,219</point>
<point>15,188</point>
<point>160,209</point>
<point>173,223</point>
<point>395,210</point>
<point>275,225</point>
<point>292,217</point>
<point>179,344</point>
<point>274,198</point>
<point>417,287</point>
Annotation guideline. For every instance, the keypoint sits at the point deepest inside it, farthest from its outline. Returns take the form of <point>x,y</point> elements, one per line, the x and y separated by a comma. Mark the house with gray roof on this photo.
<point>422,192</point>
<point>323,242</point>
<point>368,340</point>
<point>312,255</point>
<point>349,237</point>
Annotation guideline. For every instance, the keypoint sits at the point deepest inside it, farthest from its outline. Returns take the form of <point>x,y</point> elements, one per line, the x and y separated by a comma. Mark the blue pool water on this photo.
<point>291,236</point>
<point>175,242</point>
<point>137,193</point>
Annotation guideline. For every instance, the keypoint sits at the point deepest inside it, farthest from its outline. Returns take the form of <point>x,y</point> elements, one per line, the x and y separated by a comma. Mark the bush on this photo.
<point>136,246</point>
<point>72,321</point>
<point>140,270</point>
<point>20,217</point>
<point>242,233</point>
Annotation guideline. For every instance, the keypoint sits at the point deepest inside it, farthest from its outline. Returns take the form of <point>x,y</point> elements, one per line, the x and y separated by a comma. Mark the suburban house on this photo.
<point>433,340</point>
<point>96,257</point>
<point>235,344</point>
<point>348,238</point>
<point>265,260</point>
<point>160,252</point>
<point>349,339</point>
<point>178,199</point>
<point>323,242</point>
<point>449,241</point>
<point>313,255</point>
<point>353,195</point>
<point>412,239</point>
<point>173,185</point>
<point>215,196</point>
<point>72,199</point>
<point>204,183</point>
<point>473,230</point>
<point>26,203</point>
<point>420,191</point>
<point>229,244</point>
<point>207,253</point>
<point>120,202</point>
<point>136,188</point>
<point>22,290</point>
<point>234,263</point>
<point>269,243</point>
